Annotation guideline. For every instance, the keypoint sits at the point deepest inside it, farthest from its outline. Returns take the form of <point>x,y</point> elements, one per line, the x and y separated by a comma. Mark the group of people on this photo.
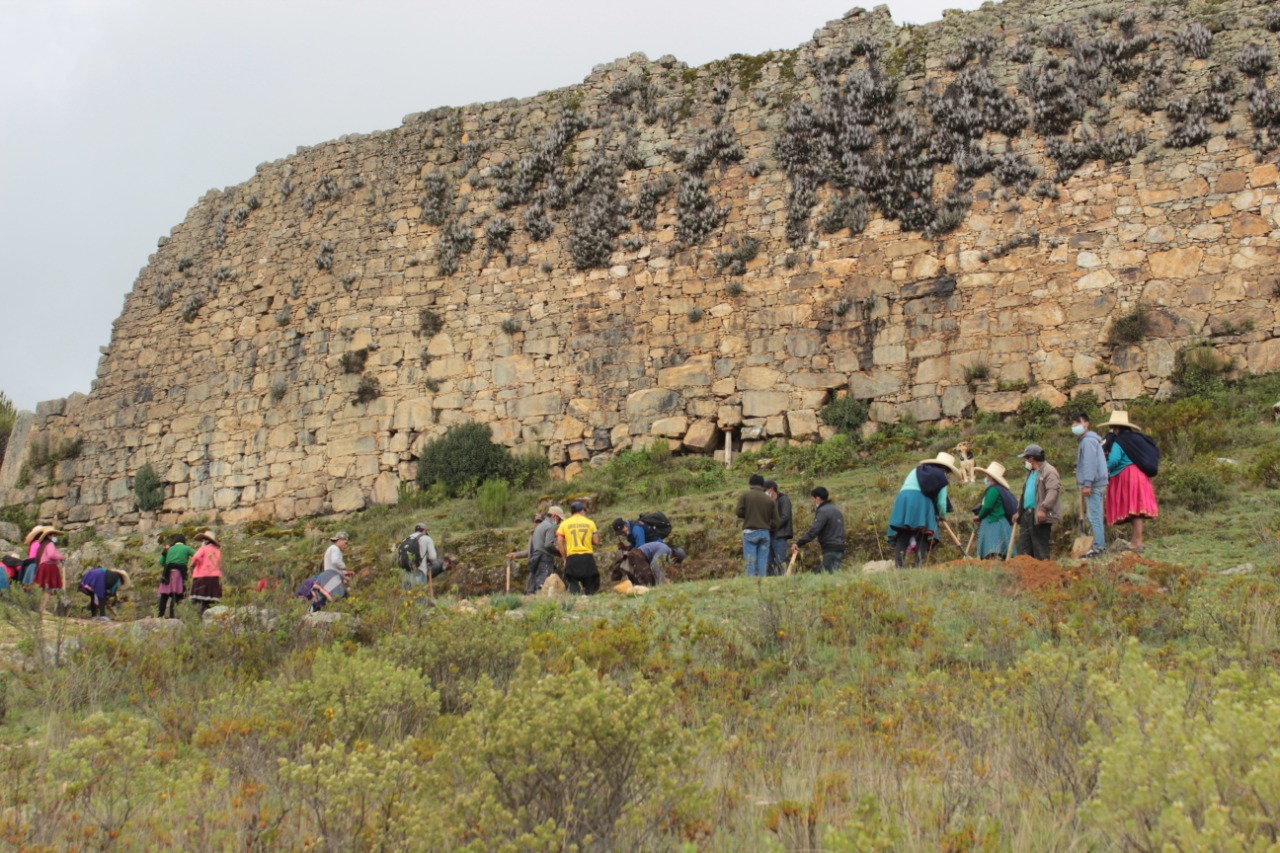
<point>572,539</point>
<point>767,528</point>
<point>1113,474</point>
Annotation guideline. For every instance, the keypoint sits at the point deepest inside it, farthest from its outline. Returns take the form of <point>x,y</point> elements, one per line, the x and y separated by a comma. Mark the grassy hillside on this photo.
<point>1049,706</point>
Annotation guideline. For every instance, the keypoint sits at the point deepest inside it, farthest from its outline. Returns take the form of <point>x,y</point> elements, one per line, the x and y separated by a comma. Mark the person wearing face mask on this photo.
<point>1040,504</point>
<point>1092,478</point>
<point>992,516</point>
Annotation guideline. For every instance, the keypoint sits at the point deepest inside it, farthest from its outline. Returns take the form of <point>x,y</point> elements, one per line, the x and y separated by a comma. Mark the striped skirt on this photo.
<point>206,589</point>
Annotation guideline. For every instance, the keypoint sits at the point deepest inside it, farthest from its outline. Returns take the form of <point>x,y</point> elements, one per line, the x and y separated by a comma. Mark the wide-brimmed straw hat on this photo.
<point>946,460</point>
<point>124,584</point>
<point>995,471</point>
<point>36,533</point>
<point>50,531</point>
<point>1120,419</point>
<point>208,537</point>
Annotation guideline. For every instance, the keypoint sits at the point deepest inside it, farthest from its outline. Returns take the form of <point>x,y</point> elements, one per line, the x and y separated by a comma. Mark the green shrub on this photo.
<point>1132,327</point>
<point>1187,763</point>
<point>1195,487</point>
<point>7,415</point>
<point>1266,470</point>
<point>1183,430</point>
<point>1035,416</point>
<point>1198,370</point>
<point>530,469</point>
<point>493,500</point>
<point>508,776</point>
<point>847,414</point>
<point>148,488</point>
<point>462,458</point>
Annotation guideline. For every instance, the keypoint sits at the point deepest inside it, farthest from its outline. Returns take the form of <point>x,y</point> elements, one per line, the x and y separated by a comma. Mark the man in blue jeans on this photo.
<point>759,516</point>
<point>1092,478</point>
<point>783,532</point>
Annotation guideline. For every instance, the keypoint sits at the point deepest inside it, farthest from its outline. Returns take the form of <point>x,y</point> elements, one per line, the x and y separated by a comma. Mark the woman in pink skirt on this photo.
<point>1130,496</point>
<point>48,565</point>
<point>206,572</point>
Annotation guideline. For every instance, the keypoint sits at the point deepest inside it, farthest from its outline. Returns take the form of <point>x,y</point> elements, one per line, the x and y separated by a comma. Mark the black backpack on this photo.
<point>658,523</point>
<point>407,553</point>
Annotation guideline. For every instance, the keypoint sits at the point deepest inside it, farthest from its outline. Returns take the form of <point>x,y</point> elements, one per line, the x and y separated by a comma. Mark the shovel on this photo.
<point>955,538</point>
<point>791,564</point>
<point>1082,543</point>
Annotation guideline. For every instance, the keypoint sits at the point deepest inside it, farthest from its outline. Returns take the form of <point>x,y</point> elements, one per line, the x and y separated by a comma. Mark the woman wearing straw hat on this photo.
<point>921,501</point>
<point>1132,460</point>
<point>27,576</point>
<point>206,572</point>
<point>101,585</point>
<point>993,516</point>
<point>48,565</point>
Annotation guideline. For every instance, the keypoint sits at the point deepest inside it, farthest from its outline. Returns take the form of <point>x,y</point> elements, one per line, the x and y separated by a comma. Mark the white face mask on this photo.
<point>1077,430</point>
<point>1027,464</point>
<point>53,539</point>
<point>987,480</point>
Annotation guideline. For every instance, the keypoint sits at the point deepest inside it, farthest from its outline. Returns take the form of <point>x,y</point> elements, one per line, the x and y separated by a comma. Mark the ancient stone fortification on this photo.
<point>937,219</point>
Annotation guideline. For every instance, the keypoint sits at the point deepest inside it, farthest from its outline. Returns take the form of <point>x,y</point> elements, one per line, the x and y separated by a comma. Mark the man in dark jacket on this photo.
<point>783,532</point>
<point>759,516</point>
<point>827,528</point>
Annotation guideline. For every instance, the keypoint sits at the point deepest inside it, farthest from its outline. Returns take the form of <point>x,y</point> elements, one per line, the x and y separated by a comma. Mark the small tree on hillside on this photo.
<point>148,488</point>
<point>462,458</point>
<point>7,414</point>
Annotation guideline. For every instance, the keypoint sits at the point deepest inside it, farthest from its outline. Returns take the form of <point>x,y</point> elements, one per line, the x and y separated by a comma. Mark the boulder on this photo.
<point>148,627</point>
<point>870,568</point>
<point>552,586</point>
<point>322,619</point>
<point>9,532</point>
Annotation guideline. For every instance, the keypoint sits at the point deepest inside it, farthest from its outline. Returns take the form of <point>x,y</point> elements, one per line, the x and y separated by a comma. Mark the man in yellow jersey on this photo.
<point>577,537</point>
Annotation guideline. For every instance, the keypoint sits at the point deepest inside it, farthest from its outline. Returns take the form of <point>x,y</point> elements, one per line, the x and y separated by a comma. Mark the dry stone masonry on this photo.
<point>937,219</point>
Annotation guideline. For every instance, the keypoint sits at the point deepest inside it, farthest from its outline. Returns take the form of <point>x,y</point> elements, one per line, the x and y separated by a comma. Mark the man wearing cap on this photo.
<point>827,528</point>
<point>577,537</point>
<point>759,516</point>
<point>1039,509</point>
<point>543,548</point>
<point>1092,478</point>
<point>333,561</point>
<point>781,535</point>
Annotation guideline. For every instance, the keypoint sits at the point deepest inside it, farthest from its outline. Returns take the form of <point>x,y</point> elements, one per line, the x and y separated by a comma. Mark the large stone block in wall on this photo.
<point>696,372</point>
<point>539,405</point>
<point>701,437</point>
<point>651,402</point>
<point>674,427</point>
<point>764,404</point>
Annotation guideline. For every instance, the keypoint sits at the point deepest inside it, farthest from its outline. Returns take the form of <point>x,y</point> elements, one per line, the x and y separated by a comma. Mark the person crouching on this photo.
<point>102,585</point>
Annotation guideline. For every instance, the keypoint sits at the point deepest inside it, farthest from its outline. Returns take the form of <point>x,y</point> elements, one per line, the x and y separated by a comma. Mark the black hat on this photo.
<point>618,525</point>
<point>577,506</point>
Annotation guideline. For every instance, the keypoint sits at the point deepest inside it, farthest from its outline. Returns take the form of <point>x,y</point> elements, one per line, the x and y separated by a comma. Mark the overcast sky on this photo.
<point>116,116</point>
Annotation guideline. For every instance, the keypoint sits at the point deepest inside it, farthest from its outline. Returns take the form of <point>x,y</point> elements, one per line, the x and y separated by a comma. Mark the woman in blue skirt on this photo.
<point>993,515</point>
<point>921,501</point>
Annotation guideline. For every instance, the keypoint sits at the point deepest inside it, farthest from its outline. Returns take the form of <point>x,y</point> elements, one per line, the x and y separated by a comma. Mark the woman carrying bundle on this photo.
<point>1132,460</point>
<point>173,573</point>
<point>921,501</point>
<point>102,585</point>
<point>993,515</point>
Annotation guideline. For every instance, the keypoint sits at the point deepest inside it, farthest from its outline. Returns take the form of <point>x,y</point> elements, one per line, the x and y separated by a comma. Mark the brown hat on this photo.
<point>209,537</point>
<point>36,533</point>
<point>995,471</point>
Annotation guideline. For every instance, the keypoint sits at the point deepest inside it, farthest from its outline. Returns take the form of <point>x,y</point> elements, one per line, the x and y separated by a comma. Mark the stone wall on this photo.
<point>675,254</point>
